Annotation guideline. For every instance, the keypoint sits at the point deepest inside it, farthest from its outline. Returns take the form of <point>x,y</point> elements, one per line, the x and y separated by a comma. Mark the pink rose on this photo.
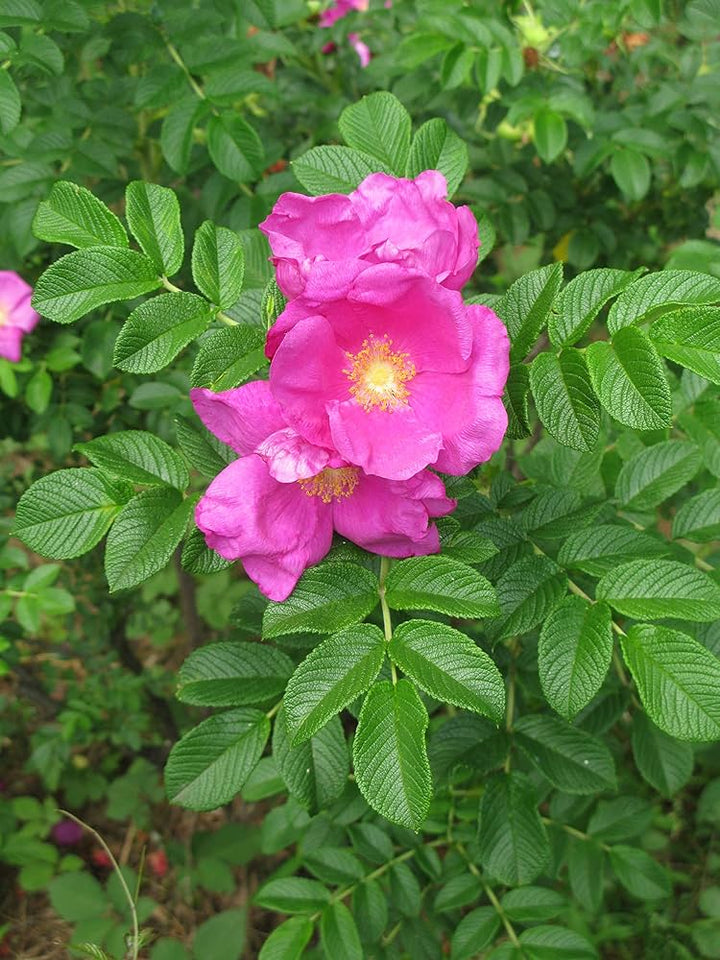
<point>387,219</point>
<point>340,9</point>
<point>391,370</point>
<point>275,508</point>
<point>360,48</point>
<point>17,317</point>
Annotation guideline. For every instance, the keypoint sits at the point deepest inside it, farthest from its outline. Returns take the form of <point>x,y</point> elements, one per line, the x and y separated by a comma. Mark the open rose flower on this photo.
<point>391,370</point>
<point>387,219</point>
<point>275,508</point>
<point>17,317</point>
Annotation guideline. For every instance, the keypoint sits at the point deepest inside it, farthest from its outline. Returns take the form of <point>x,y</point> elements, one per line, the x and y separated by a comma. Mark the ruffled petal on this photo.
<point>245,513</point>
<point>242,417</point>
<point>11,343</point>
<point>477,441</point>
<point>13,291</point>
<point>306,376</point>
<point>290,457</point>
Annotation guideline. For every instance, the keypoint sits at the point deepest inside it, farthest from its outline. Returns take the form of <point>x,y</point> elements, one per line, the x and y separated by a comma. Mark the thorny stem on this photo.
<point>135,947</point>
<point>222,317</point>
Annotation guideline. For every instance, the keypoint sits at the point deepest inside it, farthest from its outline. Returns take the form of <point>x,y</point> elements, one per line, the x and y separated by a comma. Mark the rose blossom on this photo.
<point>387,219</point>
<point>340,9</point>
<point>275,507</point>
<point>360,48</point>
<point>17,317</point>
<point>391,370</point>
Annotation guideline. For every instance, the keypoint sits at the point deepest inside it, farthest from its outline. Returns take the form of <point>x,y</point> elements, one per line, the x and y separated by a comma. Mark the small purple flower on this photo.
<point>67,833</point>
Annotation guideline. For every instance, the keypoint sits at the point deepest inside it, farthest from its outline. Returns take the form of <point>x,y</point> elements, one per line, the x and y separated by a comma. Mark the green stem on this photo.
<point>222,317</point>
<point>510,930</point>
<point>175,54</point>
<point>273,710</point>
<point>135,947</point>
<point>573,832</point>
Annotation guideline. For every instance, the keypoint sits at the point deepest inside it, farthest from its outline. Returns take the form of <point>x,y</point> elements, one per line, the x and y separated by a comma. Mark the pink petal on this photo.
<point>393,444</point>
<point>289,457</point>
<point>245,513</point>
<point>13,290</point>
<point>306,374</point>
<point>391,517</point>
<point>360,48</point>
<point>242,417</point>
<point>10,343</point>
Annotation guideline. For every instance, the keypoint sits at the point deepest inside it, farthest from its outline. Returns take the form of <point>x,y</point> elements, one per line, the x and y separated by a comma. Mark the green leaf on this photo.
<point>440,584</point>
<point>19,13</point>
<point>436,146</point>
<point>38,391</point>
<point>144,536</point>
<point>210,764</point>
<point>292,895</point>
<point>176,133</point>
<point>331,677</point>
<point>157,330</point>
<point>526,306</point>
<point>235,148</point>
<point>585,873</point>
<point>698,519</point>
<point>389,755</point>
<point>233,674</point>
<point>631,172</point>
<point>619,819</point>
<point>554,943</point>
<point>582,299</point>
<point>664,762</point>
<point>327,598</point>
<point>652,589</point>
<point>656,473</point>
<point>555,513</point>
<point>574,654</point>
<point>691,337</point>
<point>198,558</point>
<point>641,876</point>
<point>564,398</point>
<point>379,126</point>
<point>138,457</point>
<point>513,846</point>
<point>475,932</point>
<point>222,936</point>
<point>456,66</point>
<point>532,904</point>
<point>668,288</point>
<point>85,279</point>
<point>601,548</point>
<point>229,357</point>
<point>449,666</point>
<point>10,103</point>
<point>339,936</point>
<point>486,234</point>
<point>370,909</point>
<point>77,896</point>
<point>516,398</point>
<point>316,770</point>
<point>549,134</point>
<point>288,941</point>
<point>458,892</point>
<point>527,591</point>
<point>218,264</point>
<point>153,215</point>
<point>678,680</point>
<point>629,379</point>
<point>64,514</point>
<point>203,450</point>
<point>330,169</point>
<point>335,864</point>
<point>571,759</point>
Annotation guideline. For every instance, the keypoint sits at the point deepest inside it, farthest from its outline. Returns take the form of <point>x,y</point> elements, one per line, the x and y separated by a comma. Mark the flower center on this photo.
<point>4,314</point>
<point>379,374</point>
<point>332,483</point>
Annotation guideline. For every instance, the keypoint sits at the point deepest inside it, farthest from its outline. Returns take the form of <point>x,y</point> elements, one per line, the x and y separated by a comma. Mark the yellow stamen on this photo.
<point>4,314</point>
<point>379,374</point>
<point>332,483</point>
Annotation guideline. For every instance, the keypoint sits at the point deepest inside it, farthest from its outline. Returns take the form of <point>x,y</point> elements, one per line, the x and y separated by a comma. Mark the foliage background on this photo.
<point>592,139</point>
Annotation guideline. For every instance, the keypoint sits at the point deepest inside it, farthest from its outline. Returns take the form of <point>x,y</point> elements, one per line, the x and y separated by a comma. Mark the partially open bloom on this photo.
<point>340,9</point>
<point>17,317</point>
<point>391,370</point>
<point>360,48</point>
<point>275,508</point>
<point>386,220</point>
